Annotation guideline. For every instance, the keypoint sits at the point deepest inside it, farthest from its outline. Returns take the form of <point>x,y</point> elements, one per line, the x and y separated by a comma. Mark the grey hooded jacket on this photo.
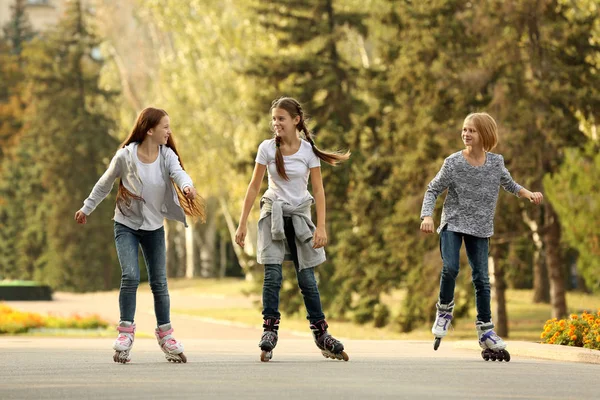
<point>272,243</point>
<point>123,166</point>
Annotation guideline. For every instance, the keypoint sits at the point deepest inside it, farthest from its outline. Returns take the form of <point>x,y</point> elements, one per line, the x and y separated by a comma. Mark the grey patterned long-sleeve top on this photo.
<point>472,194</point>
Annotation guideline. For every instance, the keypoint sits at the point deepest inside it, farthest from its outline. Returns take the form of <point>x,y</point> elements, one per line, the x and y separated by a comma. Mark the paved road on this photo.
<point>57,368</point>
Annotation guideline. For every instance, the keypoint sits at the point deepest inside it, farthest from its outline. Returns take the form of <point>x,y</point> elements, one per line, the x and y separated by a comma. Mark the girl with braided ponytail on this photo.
<point>285,228</point>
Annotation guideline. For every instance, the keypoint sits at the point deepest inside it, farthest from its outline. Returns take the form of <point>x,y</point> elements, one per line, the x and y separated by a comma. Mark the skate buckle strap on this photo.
<point>491,335</point>
<point>444,319</point>
<point>162,334</point>
<point>126,329</point>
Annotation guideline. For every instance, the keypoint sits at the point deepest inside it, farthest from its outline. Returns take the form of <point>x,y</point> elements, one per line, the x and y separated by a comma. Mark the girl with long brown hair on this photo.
<point>153,186</point>
<point>285,228</point>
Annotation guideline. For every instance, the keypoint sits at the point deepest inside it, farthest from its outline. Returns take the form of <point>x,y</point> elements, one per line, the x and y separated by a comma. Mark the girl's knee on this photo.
<point>130,284</point>
<point>159,287</point>
<point>450,271</point>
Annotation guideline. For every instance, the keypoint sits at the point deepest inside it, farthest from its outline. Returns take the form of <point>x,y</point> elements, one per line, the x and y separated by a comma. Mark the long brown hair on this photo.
<point>149,118</point>
<point>294,108</point>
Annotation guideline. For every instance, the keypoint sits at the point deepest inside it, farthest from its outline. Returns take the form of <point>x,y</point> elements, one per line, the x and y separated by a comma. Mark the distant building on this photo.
<point>42,13</point>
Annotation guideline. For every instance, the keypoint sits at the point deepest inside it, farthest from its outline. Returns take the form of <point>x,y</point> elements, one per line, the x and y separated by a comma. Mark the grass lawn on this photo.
<point>526,319</point>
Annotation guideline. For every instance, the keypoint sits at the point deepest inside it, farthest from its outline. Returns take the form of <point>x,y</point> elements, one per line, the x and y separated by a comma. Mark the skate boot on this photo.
<point>442,322</point>
<point>493,346</point>
<point>330,347</point>
<point>268,340</point>
<point>124,342</point>
<point>170,346</point>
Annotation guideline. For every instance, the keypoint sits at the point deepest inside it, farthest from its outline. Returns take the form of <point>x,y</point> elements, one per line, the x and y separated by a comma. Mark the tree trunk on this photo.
<point>242,254</point>
<point>541,287</point>
<point>190,261</point>
<point>175,235</point>
<point>207,235</point>
<point>554,262</point>
<point>498,294</point>
<point>222,258</point>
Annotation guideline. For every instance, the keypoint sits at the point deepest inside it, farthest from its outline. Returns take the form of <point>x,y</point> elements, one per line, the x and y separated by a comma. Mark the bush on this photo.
<point>12,321</point>
<point>580,331</point>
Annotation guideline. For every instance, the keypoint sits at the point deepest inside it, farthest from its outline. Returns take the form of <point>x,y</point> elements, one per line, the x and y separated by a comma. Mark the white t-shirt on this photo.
<point>153,192</point>
<point>297,167</point>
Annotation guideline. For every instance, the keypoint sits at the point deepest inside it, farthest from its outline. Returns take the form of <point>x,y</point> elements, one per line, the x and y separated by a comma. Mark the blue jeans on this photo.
<point>153,245</point>
<point>477,253</point>
<point>306,282</point>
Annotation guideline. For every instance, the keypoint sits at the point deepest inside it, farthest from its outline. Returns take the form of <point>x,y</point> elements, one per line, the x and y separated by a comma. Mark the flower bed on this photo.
<point>13,321</point>
<point>579,330</point>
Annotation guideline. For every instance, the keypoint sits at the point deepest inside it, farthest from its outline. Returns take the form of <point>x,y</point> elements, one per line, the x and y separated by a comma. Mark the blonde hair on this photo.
<point>486,127</point>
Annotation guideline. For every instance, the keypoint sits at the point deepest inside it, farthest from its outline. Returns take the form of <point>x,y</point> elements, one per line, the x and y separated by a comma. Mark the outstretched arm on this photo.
<point>511,186</point>
<point>101,189</point>
<point>251,193</point>
<point>437,186</point>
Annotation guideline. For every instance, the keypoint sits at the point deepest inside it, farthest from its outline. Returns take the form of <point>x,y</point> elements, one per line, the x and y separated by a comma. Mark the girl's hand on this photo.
<point>427,225</point>
<point>80,217</point>
<point>190,192</point>
<point>320,238</point>
<point>240,236</point>
<point>536,198</point>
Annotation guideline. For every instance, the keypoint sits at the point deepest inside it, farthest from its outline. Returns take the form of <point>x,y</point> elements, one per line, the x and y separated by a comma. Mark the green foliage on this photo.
<point>574,190</point>
<point>63,151</point>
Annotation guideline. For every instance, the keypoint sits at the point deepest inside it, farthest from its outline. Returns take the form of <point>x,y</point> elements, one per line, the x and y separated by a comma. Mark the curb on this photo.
<point>541,351</point>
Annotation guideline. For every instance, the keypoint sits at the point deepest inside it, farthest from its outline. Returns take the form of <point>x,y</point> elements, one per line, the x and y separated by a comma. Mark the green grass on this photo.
<point>19,283</point>
<point>526,319</point>
<point>224,287</point>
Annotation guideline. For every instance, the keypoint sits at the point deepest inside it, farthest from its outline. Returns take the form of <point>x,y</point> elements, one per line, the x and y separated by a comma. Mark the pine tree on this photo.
<point>13,102</point>
<point>17,33</point>
<point>69,130</point>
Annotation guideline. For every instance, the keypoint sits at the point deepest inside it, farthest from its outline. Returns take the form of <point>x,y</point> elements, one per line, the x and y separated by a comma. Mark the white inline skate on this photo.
<point>124,342</point>
<point>494,348</point>
<point>442,322</point>
<point>172,348</point>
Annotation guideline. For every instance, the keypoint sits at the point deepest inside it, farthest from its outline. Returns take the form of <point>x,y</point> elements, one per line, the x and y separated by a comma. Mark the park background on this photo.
<point>389,80</point>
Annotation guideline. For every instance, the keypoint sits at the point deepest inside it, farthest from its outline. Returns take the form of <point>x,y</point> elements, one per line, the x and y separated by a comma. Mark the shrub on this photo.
<point>579,330</point>
<point>13,321</point>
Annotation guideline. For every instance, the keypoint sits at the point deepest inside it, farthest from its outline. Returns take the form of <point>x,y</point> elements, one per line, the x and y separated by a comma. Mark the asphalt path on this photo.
<point>67,368</point>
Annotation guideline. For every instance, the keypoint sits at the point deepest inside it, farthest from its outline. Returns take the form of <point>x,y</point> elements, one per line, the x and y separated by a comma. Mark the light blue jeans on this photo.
<point>153,245</point>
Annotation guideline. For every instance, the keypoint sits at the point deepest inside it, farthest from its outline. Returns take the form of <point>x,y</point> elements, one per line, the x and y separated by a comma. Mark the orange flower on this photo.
<point>574,337</point>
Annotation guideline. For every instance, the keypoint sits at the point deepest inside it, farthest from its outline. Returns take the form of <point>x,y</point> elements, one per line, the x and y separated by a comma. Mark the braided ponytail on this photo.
<point>295,109</point>
<point>279,159</point>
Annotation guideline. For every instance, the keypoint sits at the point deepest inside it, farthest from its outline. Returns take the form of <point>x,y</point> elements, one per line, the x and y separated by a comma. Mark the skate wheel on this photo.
<point>176,358</point>
<point>485,355</point>
<point>436,343</point>
<point>335,356</point>
<point>266,356</point>
<point>506,355</point>
<point>493,357</point>
<point>121,357</point>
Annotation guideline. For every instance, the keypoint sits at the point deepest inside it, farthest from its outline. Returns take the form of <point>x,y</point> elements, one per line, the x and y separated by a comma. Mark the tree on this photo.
<point>17,33</point>
<point>69,126</point>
